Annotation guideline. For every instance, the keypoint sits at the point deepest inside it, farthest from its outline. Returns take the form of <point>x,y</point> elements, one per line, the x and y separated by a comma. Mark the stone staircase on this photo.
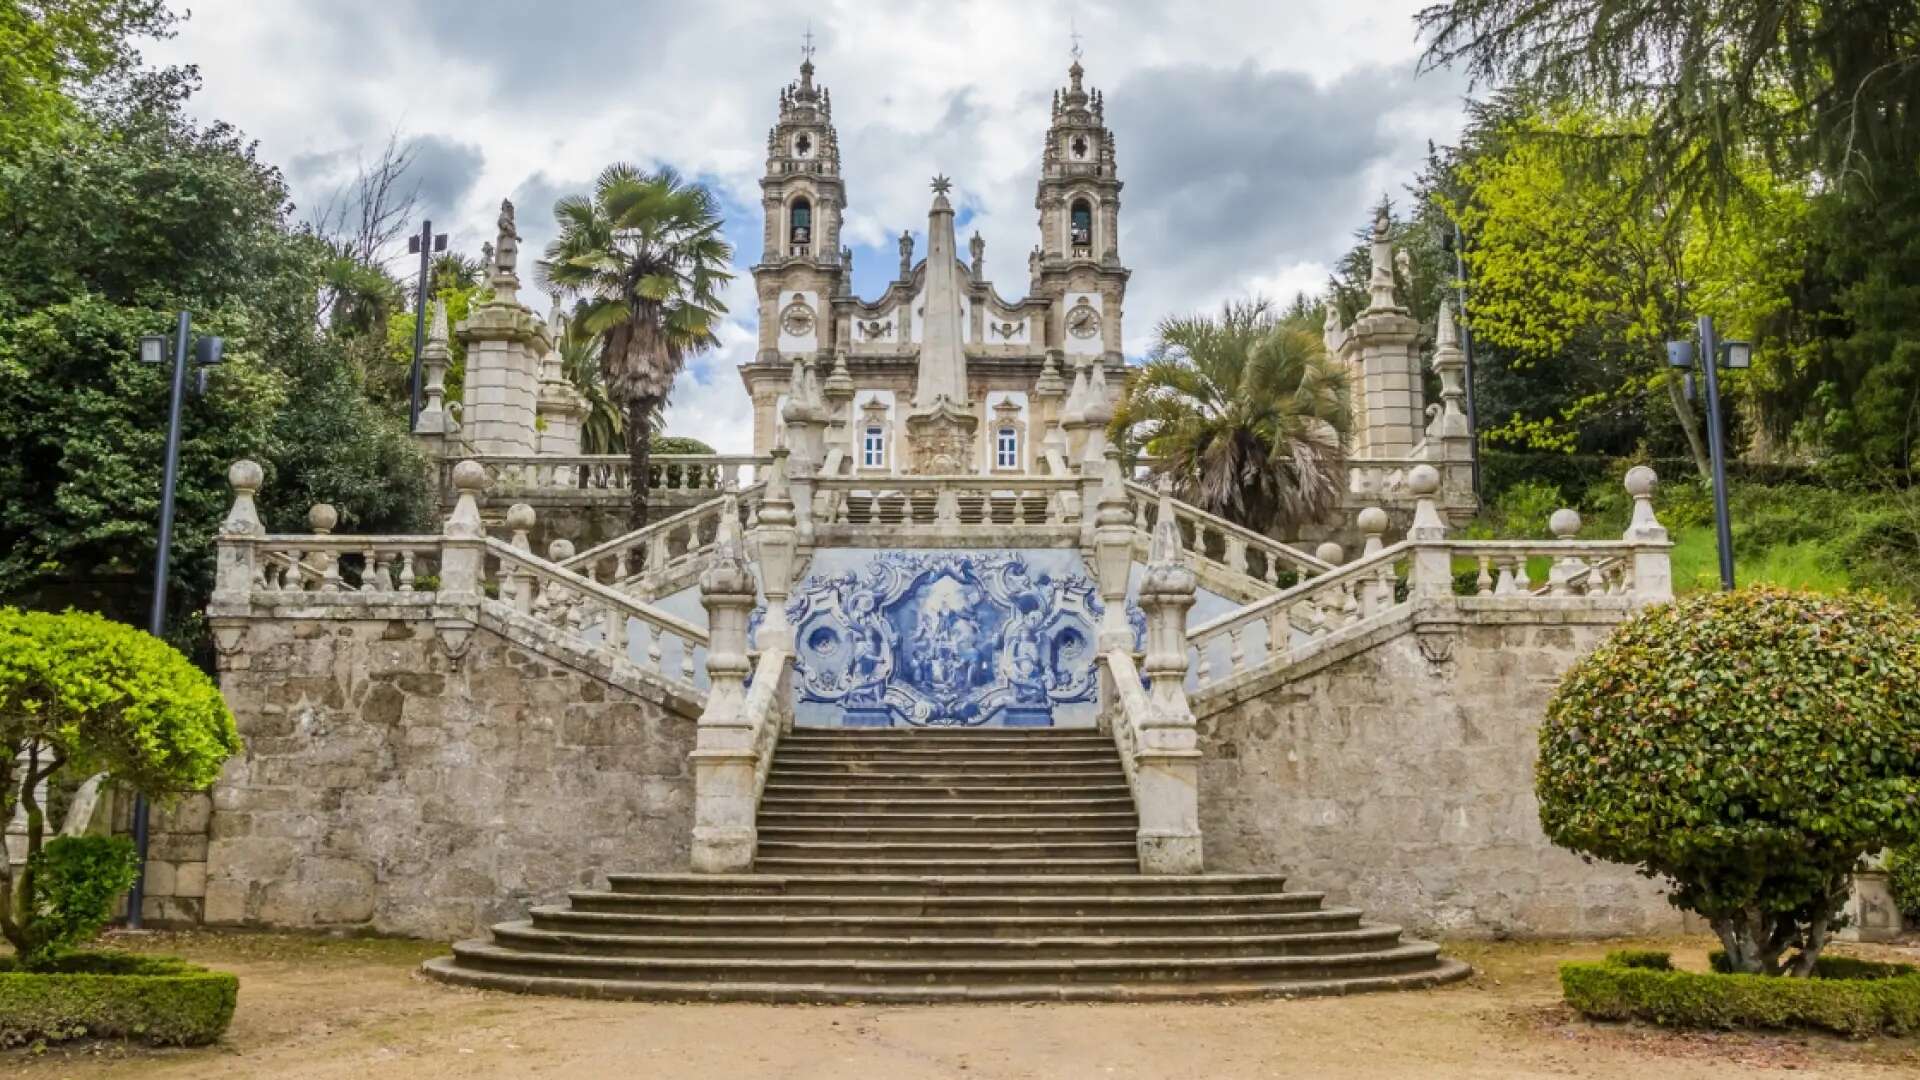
<point>954,865</point>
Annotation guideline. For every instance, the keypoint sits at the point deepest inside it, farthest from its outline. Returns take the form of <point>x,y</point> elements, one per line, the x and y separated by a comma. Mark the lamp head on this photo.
<point>1680,354</point>
<point>153,349</point>
<point>1738,355</point>
<point>209,350</point>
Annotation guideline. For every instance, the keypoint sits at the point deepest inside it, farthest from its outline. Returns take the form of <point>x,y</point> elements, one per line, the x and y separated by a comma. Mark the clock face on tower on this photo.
<point>797,320</point>
<point>1083,321</point>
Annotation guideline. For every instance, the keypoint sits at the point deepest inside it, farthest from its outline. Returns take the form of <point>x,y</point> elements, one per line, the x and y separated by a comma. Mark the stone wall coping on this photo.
<point>940,536</point>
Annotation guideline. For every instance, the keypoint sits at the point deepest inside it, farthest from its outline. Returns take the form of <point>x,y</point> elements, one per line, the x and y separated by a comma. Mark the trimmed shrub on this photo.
<point>154,999</point>
<point>79,880</point>
<point>1648,959</point>
<point>1854,998</point>
<point>1750,747</point>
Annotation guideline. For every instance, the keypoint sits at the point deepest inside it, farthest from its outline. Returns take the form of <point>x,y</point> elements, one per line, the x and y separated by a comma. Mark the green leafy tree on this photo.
<point>1750,748</point>
<point>1246,412</point>
<point>1568,271</point>
<point>51,50</point>
<point>645,259</point>
<point>80,692</point>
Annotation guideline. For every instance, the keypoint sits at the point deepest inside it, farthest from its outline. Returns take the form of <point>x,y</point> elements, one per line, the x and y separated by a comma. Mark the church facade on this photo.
<point>943,372</point>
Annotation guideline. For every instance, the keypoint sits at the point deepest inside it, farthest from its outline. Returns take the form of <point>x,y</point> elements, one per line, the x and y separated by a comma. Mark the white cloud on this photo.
<point>1253,136</point>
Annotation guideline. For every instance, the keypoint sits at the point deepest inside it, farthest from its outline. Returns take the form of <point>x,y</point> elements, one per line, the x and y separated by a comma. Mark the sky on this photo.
<point>1253,136</point>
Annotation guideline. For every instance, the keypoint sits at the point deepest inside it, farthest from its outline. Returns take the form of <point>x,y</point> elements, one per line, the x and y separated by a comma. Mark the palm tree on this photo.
<point>603,431</point>
<point>645,260</point>
<point>1246,412</point>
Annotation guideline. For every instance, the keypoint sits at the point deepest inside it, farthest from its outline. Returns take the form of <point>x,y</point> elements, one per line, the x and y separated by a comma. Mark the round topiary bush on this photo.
<point>1750,747</point>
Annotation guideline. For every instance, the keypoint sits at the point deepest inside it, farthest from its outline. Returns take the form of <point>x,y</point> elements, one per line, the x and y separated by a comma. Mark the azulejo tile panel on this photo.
<point>946,639</point>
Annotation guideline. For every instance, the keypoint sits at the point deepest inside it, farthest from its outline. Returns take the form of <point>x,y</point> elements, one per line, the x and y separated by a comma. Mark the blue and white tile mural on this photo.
<point>946,639</point>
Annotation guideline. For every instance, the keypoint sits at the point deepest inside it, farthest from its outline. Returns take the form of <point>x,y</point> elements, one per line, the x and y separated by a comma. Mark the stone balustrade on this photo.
<point>946,500</point>
<point>666,551</point>
<point>1219,545</point>
<point>1492,577</point>
<point>1382,479</point>
<point>606,475</point>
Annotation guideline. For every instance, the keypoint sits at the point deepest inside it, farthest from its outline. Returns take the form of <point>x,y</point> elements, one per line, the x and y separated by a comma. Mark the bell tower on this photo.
<point>1077,264</point>
<point>801,263</point>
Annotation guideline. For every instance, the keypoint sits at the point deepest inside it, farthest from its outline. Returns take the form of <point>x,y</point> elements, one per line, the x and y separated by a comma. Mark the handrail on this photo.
<point>1130,711</point>
<point>656,531</point>
<point>1366,567</point>
<point>611,597</point>
<point>1236,539</point>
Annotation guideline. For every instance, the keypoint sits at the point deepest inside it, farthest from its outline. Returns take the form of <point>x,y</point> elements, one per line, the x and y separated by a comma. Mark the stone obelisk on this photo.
<point>941,427</point>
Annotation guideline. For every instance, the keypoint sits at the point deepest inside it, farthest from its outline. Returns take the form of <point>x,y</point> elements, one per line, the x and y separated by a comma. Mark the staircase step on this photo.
<point>945,760</point>
<point>527,937</point>
<point>985,905</point>
<point>951,820</point>
<point>864,779</point>
<point>831,865</point>
<point>947,738</point>
<point>938,885</point>
<point>810,801</point>
<point>448,970</point>
<point>922,835</point>
<point>1192,923</point>
<point>1407,958</point>
<point>906,791</point>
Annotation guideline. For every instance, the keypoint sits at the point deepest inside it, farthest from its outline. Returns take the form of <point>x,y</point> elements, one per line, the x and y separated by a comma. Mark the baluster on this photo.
<point>657,553</point>
<point>1236,554</point>
<point>1504,585</point>
<point>1237,655</point>
<point>1204,673</point>
<point>616,631</point>
<point>654,634</point>
<point>406,571</point>
<point>620,565</point>
<point>686,659</point>
<point>370,571</point>
<point>1483,585</point>
<point>1521,583</point>
<point>330,580</point>
<point>1140,520</point>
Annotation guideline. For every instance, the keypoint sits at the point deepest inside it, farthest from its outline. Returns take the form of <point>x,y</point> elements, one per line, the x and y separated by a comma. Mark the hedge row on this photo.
<point>1850,997</point>
<point>155,999</point>
<point>1573,474</point>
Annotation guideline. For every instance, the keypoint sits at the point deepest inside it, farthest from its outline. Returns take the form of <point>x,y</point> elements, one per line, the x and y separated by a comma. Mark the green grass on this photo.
<point>1801,564</point>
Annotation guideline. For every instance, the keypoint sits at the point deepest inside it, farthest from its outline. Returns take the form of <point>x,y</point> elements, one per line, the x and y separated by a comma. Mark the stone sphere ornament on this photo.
<point>1424,480</point>
<point>245,475</point>
<point>520,517</point>
<point>1641,481</point>
<point>1564,524</point>
<point>1373,521</point>
<point>560,551</point>
<point>322,518</point>
<point>1330,552</point>
<point>470,475</point>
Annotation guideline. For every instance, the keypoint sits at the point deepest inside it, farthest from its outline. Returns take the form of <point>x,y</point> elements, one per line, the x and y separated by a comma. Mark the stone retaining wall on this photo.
<point>386,786</point>
<point>1397,775</point>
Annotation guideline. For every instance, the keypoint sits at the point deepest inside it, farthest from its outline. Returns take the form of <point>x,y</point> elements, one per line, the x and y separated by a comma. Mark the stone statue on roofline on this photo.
<point>506,253</point>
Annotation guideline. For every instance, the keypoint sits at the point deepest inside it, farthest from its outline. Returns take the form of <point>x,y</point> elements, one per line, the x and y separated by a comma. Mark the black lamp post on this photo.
<point>424,246</point>
<point>206,353</point>
<point>1715,354</point>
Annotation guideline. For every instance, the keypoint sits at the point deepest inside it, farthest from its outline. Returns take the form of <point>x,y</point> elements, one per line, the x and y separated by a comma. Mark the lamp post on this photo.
<point>424,246</point>
<point>207,352</point>
<point>1714,355</point>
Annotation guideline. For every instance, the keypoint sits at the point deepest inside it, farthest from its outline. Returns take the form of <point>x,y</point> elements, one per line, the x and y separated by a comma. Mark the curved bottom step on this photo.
<point>445,969</point>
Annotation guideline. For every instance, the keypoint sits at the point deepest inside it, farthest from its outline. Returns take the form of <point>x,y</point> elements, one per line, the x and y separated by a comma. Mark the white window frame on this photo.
<point>873,447</point>
<point>1006,449</point>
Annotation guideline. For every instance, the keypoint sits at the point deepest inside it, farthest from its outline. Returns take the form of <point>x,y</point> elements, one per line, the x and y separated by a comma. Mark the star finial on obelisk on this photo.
<point>942,185</point>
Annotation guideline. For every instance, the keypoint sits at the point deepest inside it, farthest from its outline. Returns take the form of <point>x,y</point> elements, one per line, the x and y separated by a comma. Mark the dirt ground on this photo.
<point>354,1008</point>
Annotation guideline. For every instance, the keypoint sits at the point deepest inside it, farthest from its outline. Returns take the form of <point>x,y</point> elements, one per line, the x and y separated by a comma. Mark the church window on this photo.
<point>1007,449</point>
<point>873,448</point>
<point>1079,146</point>
<point>800,226</point>
<point>803,145</point>
<point>1080,226</point>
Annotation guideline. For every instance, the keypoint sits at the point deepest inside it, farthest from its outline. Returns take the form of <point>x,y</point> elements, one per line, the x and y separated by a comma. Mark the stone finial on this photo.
<point>1373,525</point>
<point>322,517</point>
<point>1166,547</point>
<point>1641,482</point>
<point>727,572</point>
<point>520,520</point>
<point>840,383</point>
<point>1332,334</point>
<point>906,254</point>
<point>1050,384</point>
<point>1330,553</point>
<point>469,479</point>
<point>1450,364</point>
<point>1564,524</point>
<point>977,247</point>
<point>776,505</point>
<point>560,550</point>
<point>1424,482</point>
<point>244,477</point>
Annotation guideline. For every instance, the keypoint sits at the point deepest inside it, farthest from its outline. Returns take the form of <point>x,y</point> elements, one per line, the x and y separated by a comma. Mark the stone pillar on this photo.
<point>806,426</point>
<point>725,765</point>
<point>838,390</point>
<point>1166,782</point>
<point>1652,565</point>
<point>1113,557</point>
<point>1432,572</point>
<point>505,342</point>
<point>1048,392</point>
<point>1376,590</point>
<point>1449,437</point>
<point>237,566</point>
<point>433,424</point>
<point>1382,345</point>
<point>775,543</point>
<point>462,553</point>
